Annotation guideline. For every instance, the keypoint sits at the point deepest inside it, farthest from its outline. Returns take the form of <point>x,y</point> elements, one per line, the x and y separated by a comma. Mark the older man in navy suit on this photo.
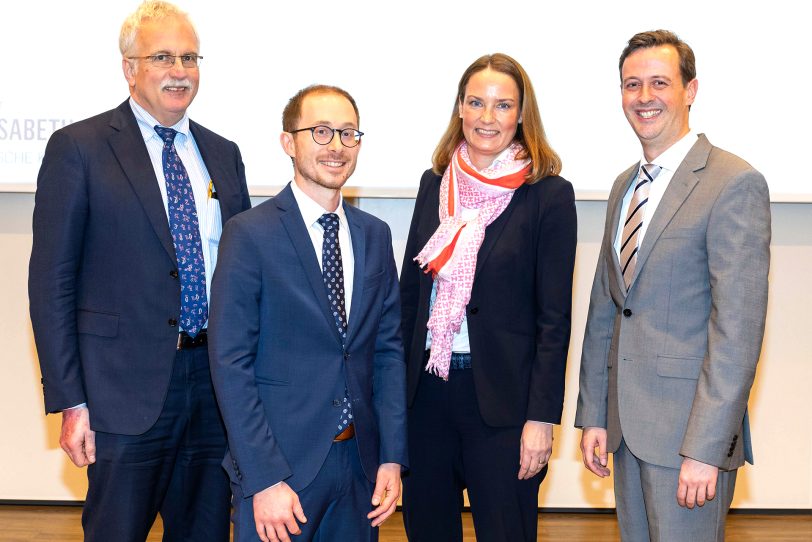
<point>129,209</point>
<point>305,349</point>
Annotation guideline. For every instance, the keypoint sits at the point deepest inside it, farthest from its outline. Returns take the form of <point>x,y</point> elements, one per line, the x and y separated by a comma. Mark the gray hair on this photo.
<point>150,10</point>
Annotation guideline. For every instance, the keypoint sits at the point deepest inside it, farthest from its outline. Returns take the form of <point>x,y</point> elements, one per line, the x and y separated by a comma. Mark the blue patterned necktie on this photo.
<point>332,271</point>
<point>185,229</point>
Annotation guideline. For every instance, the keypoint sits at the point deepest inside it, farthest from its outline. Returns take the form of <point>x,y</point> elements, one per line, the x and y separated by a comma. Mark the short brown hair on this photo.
<point>293,111</point>
<point>657,38</point>
<point>530,132</point>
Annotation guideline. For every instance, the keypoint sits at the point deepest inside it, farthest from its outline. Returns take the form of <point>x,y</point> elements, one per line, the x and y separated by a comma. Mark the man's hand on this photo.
<point>77,439</point>
<point>593,450</point>
<point>535,448</point>
<point>276,510</point>
<point>697,483</point>
<point>385,496</point>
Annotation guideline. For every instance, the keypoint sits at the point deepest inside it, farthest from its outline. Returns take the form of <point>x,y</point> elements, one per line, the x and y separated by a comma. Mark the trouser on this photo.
<point>647,508</point>
<point>174,468</point>
<point>451,449</point>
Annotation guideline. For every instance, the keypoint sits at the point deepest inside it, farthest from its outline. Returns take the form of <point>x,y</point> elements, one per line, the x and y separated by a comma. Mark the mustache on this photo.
<point>177,83</point>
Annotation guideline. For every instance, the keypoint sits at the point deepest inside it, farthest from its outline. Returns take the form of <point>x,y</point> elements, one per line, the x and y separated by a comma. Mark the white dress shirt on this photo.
<point>311,212</point>
<point>209,217</point>
<point>669,161</point>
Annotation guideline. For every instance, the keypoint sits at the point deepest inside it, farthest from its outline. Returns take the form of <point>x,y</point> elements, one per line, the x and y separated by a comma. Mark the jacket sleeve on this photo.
<point>555,261</point>
<point>233,342</point>
<point>60,218</point>
<point>738,247</point>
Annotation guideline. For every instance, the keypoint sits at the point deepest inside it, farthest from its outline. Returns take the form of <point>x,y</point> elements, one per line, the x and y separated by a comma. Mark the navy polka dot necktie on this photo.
<point>332,271</point>
<point>185,229</point>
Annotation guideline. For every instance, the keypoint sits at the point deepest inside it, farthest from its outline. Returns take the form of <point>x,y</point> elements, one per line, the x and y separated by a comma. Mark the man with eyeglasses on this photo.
<point>129,209</point>
<point>306,353</point>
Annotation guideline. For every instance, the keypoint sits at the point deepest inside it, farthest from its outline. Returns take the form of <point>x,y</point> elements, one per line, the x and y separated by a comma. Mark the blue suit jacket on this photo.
<point>277,361</point>
<point>103,285</point>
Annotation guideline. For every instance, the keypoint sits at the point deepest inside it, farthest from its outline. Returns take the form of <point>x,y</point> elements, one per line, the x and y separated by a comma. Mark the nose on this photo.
<point>645,93</point>
<point>335,143</point>
<point>177,67</point>
<point>487,114</point>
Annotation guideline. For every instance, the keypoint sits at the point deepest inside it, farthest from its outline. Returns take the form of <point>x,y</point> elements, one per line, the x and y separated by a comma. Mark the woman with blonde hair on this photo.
<point>486,294</point>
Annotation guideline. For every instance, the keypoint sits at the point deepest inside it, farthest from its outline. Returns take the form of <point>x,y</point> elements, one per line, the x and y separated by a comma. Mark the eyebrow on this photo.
<point>497,99</point>
<point>329,124</point>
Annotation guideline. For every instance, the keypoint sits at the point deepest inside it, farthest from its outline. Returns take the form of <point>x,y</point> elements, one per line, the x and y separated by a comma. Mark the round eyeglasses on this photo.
<point>323,135</point>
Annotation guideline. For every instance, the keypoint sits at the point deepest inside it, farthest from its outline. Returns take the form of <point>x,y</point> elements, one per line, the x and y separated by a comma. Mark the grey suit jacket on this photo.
<point>668,365</point>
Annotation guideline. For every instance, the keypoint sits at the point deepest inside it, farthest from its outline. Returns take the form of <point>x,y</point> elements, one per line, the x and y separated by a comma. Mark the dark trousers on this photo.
<point>451,449</point>
<point>174,468</point>
<point>335,503</point>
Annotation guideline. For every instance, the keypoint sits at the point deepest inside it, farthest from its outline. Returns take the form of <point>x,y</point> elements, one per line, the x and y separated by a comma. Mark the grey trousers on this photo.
<point>647,509</point>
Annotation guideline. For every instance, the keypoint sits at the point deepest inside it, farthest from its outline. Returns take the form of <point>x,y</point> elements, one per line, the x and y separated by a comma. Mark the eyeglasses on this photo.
<point>163,60</point>
<point>323,135</point>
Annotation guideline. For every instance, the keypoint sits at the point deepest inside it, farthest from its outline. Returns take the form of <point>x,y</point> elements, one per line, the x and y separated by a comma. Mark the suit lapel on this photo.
<point>129,148</point>
<point>494,230</point>
<point>359,244</point>
<point>679,188</point>
<point>219,176</point>
<point>300,239</point>
<point>614,211</point>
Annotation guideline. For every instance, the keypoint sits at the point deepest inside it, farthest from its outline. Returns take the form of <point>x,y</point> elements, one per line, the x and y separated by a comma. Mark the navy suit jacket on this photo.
<point>278,364</point>
<point>519,312</point>
<point>103,283</point>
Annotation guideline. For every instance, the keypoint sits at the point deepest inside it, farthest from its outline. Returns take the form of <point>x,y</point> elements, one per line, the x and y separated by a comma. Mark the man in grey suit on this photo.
<point>677,311</point>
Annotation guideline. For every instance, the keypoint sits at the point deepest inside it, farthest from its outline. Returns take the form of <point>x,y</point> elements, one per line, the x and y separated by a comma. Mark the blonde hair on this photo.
<point>150,10</point>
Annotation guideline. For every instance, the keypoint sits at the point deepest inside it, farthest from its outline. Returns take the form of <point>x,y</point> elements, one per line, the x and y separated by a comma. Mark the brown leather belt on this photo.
<point>186,341</point>
<point>346,434</point>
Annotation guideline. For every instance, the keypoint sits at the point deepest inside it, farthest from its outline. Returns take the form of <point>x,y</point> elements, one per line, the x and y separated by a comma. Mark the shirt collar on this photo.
<point>147,123</point>
<point>312,211</point>
<point>673,156</point>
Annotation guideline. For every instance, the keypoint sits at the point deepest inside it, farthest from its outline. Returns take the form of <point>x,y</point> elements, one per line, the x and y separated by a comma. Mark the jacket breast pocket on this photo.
<point>679,367</point>
<point>102,324</point>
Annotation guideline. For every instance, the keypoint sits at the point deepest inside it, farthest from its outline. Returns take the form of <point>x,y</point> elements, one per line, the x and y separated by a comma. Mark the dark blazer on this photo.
<point>278,365</point>
<point>519,312</point>
<point>103,282</point>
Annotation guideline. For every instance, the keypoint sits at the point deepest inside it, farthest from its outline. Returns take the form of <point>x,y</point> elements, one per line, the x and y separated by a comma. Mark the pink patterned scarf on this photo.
<point>451,252</point>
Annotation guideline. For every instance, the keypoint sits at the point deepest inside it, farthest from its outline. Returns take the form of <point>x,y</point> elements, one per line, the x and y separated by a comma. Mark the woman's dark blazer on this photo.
<point>519,312</point>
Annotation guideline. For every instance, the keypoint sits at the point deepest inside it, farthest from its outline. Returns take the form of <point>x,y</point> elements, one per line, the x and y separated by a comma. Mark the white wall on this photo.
<point>402,61</point>
<point>35,468</point>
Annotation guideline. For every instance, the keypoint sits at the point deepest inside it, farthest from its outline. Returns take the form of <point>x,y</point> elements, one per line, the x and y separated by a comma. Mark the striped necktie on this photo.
<point>634,221</point>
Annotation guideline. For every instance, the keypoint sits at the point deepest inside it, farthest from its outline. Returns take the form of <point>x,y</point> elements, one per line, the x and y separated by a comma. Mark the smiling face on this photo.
<point>655,100</point>
<point>165,93</point>
<point>490,113</point>
<point>322,167</point>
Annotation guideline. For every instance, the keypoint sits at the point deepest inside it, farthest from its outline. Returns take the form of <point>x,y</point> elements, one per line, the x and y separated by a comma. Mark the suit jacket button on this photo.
<point>336,403</point>
<point>173,273</point>
<point>346,356</point>
<point>474,310</point>
<point>627,312</point>
<point>172,322</point>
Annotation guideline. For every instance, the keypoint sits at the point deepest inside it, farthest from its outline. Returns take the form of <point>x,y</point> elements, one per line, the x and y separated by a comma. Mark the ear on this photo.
<point>459,108</point>
<point>288,145</point>
<point>691,89</point>
<point>129,69</point>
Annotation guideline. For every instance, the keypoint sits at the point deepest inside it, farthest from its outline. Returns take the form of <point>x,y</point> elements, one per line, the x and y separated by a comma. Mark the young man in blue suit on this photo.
<point>305,348</point>
<point>129,209</point>
<point>677,311</point>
